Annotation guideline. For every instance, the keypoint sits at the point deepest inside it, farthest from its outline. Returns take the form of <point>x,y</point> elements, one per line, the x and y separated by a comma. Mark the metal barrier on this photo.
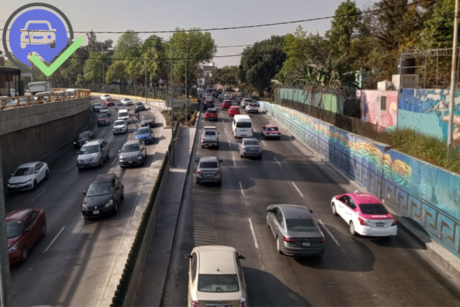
<point>56,95</point>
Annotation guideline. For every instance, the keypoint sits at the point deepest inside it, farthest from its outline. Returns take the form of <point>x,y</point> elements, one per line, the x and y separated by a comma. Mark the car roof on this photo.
<point>216,259</point>
<point>209,159</point>
<point>30,164</point>
<point>235,107</point>
<point>132,142</point>
<point>212,109</point>
<point>242,117</point>
<point>124,111</point>
<point>294,211</point>
<point>271,125</point>
<point>250,139</point>
<point>103,177</point>
<point>210,128</point>
<point>364,198</point>
<point>17,215</point>
<point>93,142</point>
<point>139,102</point>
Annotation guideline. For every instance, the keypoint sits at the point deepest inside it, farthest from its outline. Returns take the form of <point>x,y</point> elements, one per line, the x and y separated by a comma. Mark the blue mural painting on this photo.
<point>413,188</point>
<point>427,110</point>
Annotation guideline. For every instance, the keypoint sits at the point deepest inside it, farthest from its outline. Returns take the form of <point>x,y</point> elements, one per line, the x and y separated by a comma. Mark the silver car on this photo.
<point>250,147</point>
<point>295,230</point>
<point>119,126</point>
<point>97,106</point>
<point>132,153</point>
<point>210,137</point>
<point>148,120</point>
<point>93,153</point>
<point>208,170</point>
<point>244,102</point>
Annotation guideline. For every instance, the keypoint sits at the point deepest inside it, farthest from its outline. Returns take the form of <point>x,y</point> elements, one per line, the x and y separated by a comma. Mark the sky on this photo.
<point>155,15</point>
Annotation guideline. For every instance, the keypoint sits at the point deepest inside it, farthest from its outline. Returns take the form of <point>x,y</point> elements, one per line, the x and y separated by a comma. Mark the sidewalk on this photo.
<point>156,267</point>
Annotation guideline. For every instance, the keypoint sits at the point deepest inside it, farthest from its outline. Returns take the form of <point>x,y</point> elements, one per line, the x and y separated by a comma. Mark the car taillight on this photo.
<point>394,222</point>
<point>288,239</point>
<point>198,173</point>
<point>195,303</point>
<point>321,240</point>
<point>244,148</point>
<point>362,222</point>
<point>242,302</point>
<point>218,172</point>
<point>235,130</point>
<point>202,139</point>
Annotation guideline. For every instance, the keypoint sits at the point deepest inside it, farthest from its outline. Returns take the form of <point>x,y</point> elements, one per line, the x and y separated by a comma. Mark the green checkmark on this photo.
<point>48,71</point>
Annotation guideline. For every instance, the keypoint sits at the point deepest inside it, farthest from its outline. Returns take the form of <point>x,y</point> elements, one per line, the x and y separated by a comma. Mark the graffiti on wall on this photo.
<point>327,101</point>
<point>427,110</point>
<point>427,194</point>
<point>379,108</point>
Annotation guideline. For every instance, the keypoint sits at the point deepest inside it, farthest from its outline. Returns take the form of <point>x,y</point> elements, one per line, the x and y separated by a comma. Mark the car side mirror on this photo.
<point>84,192</point>
<point>119,151</point>
<point>242,257</point>
<point>188,256</point>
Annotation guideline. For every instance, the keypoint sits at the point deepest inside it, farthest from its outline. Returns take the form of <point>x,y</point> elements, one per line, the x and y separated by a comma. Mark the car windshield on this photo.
<point>251,143</point>
<point>99,188</point>
<point>103,116</point>
<point>97,104</point>
<point>210,133</point>
<point>243,125</point>
<point>120,104</point>
<point>139,104</point>
<point>208,165</point>
<point>130,148</point>
<point>122,114</point>
<point>218,283</point>
<point>83,135</point>
<point>143,131</point>
<point>373,209</point>
<point>272,129</point>
<point>13,229</point>
<point>301,225</point>
<point>147,117</point>
<point>119,123</point>
<point>104,108</point>
<point>23,171</point>
<point>89,149</point>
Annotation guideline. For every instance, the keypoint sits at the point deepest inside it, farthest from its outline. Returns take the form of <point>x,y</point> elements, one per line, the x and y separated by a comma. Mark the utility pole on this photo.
<point>103,76</point>
<point>145,84</point>
<point>5,280</point>
<point>172,110</point>
<point>186,91</point>
<point>453,82</point>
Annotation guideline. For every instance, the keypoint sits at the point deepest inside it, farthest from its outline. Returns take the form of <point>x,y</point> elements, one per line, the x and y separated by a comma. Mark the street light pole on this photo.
<point>186,92</point>
<point>172,109</point>
<point>453,82</point>
<point>145,83</point>
<point>103,76</point>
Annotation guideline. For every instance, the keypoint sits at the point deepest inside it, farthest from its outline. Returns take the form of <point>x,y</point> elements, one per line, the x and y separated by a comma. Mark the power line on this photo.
<point>258,25</point>
<point>159,59</point>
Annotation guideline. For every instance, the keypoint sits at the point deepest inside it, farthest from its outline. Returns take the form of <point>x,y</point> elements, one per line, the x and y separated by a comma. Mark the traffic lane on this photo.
<point>373,256</point>
<point>79,181</point>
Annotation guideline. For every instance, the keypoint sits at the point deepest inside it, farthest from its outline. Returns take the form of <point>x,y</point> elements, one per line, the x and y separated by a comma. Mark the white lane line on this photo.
<point>222,120</point>
<point>333,238</point>
<point>116,158</point>
<point>241,187</point>
<point>225,129</point>
<point>297,189</point>
<point>229,144</point>
<point>277,161</point>
<point>264,143</point>
<point>70,167</point>
<point>38,196</point>
<point>253,234</point>
<point>55,238</point>
<point>234,162</point>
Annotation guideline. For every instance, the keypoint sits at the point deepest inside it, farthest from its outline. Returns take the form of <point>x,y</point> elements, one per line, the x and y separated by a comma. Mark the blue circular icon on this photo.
<point>37,31</point>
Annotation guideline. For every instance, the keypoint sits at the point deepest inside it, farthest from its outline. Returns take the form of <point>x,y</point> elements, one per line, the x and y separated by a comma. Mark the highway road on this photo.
<point>71,265</point>
<point>355,271</point>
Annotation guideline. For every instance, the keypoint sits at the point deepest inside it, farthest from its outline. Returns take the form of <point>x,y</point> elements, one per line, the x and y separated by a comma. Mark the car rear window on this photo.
<point>97,104</point>
<point>253,104</point>
<point>212,111</point>
<point>147,117</point>
<point>103,116</point>
<point>208,165</point>
<point>218,283</point>
<point>301,225</point>
<point>13,229</point>
<point>243,125</point>
<point>251,143</point>
<point>272,129</point>
<point>123,114</point>
<point>210,132</point>
<point>373,209</point>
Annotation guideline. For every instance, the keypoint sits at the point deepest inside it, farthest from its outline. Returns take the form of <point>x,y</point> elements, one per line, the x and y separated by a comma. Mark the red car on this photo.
<point>226,104</point>
<point>23,229</point>
<point>109,101</point>
<point>233,111</point>
<point>211,114</point>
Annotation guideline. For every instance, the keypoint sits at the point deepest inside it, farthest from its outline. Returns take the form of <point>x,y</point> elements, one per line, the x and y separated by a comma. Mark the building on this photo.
<point>10,81</point>
<point>205,72</point>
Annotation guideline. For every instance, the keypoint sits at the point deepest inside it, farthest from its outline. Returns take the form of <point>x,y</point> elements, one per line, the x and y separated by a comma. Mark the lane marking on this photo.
<point>234,162</point>
<point>277,161</point>
<point>114,160</point>
<point>264,143</point>
<point>333,238</point>
<point>70,167</point>
<point>229,144</point>
<point>38,196</point>
<point>253,234</point>
<point>55,238</point>
<point>225,129</point>
<point>222,120</point>
<point>297,189</point>
<point>241,187</point>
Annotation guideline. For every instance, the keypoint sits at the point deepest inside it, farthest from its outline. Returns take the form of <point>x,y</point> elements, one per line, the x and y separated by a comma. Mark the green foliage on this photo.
<point>96,66</point>
<point>116,71</point>
<point>227,75</point>
<point>438,30</point>
<point>261,62</point>
<point>154,48</point>
<point>193,118</point>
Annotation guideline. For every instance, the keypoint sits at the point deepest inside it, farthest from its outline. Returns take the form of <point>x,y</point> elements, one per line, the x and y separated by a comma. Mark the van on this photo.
<point>242,126</point>
<point>41,86</point>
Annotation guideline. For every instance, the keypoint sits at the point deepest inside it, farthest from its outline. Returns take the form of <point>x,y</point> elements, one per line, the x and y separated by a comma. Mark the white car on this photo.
<point>216,277</point>
<point>127,102</point>
<point>124,115</point>
<point>252,107</point>
<point>30,36</point>
<point>28,176</point>
<point>365,214</point>
<point>119,126</point>
<point>105,96</point>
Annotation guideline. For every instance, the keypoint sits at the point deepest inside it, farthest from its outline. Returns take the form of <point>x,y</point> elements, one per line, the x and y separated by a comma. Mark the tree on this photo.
<point>261,62</point>
<point>227,75</point>
<point>344,28</point>
<point>95,66</point>
<point>129,50</point>
<point>156,50</point>
<point>438,31</point>
<point>116,72</point>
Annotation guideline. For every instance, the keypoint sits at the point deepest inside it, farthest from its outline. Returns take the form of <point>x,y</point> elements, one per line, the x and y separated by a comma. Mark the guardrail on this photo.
<point>56,95</point>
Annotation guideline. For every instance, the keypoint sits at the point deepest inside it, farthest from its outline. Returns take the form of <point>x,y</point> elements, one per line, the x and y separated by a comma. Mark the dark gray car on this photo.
<point>208,170</point>
<point>249,147</point>
<point>295,230</point>
<point>140,106</point>
<point>132,153</point>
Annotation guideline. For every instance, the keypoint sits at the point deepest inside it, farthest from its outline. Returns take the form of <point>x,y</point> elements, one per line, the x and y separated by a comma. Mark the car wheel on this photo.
<point>219,183</point>
<point>47,174</point>
<point>334,210</point>
<point>197,182</point>
<point>24,254</point>
<point>115,208</point>
<point>44,230</point>
<point>352,229</point>
<point>122,194</point>
<point>278,245</point>
<point>202,146</point>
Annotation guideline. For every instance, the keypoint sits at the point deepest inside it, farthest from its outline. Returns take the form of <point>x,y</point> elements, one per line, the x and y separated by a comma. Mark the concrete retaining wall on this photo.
<point>28,134</point>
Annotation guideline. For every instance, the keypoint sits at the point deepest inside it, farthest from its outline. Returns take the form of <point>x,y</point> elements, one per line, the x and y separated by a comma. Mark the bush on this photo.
<point>193,118</point>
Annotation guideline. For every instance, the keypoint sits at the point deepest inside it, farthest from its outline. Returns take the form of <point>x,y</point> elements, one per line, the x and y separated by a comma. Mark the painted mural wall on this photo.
<point>329,102</point>
<point>418,190</point>
<point>384,115</point>
<point>427,110</point>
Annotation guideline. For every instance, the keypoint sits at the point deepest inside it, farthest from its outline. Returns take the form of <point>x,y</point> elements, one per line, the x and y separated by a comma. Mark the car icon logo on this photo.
<point>30,35</point>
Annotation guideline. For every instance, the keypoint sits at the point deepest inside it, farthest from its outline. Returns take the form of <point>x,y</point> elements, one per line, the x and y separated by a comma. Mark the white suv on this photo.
<point>123,115</point>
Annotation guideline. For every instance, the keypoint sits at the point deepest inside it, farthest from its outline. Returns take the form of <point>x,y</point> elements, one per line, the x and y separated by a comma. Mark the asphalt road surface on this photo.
<point>355,271</point>
<point>71,265</point>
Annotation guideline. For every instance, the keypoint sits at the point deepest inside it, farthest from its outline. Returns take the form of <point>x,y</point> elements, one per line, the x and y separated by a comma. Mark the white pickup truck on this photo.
<point>37,87</point>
